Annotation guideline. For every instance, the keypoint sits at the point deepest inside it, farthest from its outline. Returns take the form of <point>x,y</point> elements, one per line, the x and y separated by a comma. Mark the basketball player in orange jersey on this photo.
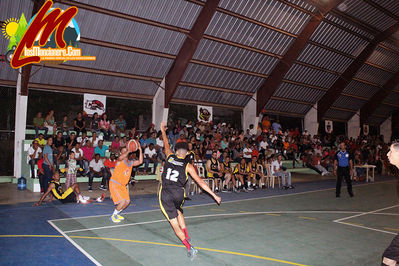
<point>172,193</point>
<point>119,180</point>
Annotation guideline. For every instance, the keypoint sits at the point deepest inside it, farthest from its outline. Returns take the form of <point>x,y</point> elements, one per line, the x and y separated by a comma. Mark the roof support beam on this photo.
<point>368,109</point>
<point>340,84</point>
<point>267,89</point>
<point>188,49</point>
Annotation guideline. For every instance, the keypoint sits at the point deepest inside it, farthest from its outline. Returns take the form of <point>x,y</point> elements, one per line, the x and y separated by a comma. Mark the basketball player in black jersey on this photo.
<point>171,193</point>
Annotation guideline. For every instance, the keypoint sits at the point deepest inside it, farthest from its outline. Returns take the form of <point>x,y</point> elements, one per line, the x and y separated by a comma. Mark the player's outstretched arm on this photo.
<point>201,183</point>
<point>50,187</point>
<point>165,139</point>
<point>140,161</point>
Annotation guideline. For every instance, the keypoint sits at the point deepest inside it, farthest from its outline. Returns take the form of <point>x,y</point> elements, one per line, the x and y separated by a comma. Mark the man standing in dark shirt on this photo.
<point>343,168</point>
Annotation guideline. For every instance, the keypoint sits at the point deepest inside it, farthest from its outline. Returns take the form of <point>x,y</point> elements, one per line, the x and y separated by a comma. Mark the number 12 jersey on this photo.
<point>174,172</point>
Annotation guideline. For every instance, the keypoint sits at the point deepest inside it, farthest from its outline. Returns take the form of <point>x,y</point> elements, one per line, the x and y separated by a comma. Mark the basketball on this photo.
<point>132,145</point>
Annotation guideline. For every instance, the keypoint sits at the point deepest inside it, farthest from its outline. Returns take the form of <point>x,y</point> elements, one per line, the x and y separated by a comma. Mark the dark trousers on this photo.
<point>47,176</point>
<point>343,172</point>
<point>308,165</point>
<point>32,163</point>
<point>103,174</point>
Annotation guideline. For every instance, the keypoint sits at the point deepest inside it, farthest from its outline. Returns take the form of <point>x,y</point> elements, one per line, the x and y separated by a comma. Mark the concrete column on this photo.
<point>249,115</point>
<point>21,108</point>
<point>159,112</point>
<point>386,129</point>
<point>310,121</point>
<point>353,126</point>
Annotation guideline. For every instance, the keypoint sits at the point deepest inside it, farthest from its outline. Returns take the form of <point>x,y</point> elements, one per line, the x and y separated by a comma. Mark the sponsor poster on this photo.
<point>205,113</point>
<point>93,103</point>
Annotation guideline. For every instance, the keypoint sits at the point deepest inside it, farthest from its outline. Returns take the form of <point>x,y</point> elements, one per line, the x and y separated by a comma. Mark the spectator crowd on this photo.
<point>248,158</point>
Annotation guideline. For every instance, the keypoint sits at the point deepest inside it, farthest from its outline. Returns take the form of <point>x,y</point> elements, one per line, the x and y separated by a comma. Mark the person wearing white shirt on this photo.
<point>78,154</point>
<point>150,155</point>
<point>34,153</point>
<point>247,153</point>
<point>278,171</point>
<point>263,145</point>
<point>96,167</point>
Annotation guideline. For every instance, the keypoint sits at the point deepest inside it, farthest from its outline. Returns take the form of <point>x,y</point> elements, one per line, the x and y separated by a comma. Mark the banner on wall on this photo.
<point>205,113</point>
<point>365,129</point>
<point>93,103</point>
<point>329,128</point>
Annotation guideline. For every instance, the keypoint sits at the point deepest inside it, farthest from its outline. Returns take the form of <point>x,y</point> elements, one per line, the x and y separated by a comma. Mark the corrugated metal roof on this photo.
<point>103,27</point>
<point>320,57</point>
<point>349,103</point>
<point>388,43</point>
<point>338,114</point>
<point>310,76</point>
<point>337,20</point>
<point>368,14</point>
<point>288,107</point>
<point>227,55</point>
<point>124,61</point>
<point>177,12</point>
<point>203,95</point>
<point>92,81</point>
<point>14,9</point>
<point>338,39</point>
<point>270,12</point>
<point>391,5</point>
<point>300,93</point>
<point>376,120</point>
<point>373,74</point>
<point>393,98</point>
<point>221,78</point>
<point>361,89</point>
<point>303,4</point>
<point>243,32</point>
<point>385,110</point>
<point>384,58</point>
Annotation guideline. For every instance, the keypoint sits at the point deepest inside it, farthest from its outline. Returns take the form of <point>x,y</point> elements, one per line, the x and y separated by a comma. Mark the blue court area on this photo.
<point>305,226</point>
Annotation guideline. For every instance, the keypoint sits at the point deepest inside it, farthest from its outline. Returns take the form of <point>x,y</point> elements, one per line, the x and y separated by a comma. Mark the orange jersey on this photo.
<point>122,172</point>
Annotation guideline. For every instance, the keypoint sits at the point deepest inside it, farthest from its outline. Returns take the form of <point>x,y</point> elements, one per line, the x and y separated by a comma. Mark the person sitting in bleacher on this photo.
<point>96,167</point>
<point>88,154</point>
<point>240,173</point>
<point>213,170</point>
<point>79,124</point>
<point>60,156</point>
<point>78,154</point>
<point>225,169</point>
<point>279,170</point>
<point>82,139</point>
<point>38,123</point>
<point>71,141</point>
<point>94,139</point>
<point>58,140</point>
<point>109,165</point>
<point>64,125</point>
<point>115,145</point>
<point>256,176</point>
<point>34,154</point>
<point>41,141</point>
<point>150,155</point>
<point>101,149</point>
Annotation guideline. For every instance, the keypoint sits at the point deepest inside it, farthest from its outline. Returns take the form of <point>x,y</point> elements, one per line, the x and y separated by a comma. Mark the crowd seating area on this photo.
<point>301,152</point>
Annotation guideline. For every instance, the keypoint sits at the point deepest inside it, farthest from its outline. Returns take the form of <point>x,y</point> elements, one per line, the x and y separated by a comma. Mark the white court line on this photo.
<point>210,215</point>
<point>368,228</point>
<point>230,201</point>
<point>385,213</point>
<point>364,213</point>
<point>75,244</point>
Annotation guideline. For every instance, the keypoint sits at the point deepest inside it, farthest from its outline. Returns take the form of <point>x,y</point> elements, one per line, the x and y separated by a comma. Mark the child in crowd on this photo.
<point>71,170</point>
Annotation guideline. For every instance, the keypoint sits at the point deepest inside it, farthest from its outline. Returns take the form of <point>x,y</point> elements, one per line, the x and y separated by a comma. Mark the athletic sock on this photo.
<point>185,233</point>
<point>187,244</point>
<point>116,212</point>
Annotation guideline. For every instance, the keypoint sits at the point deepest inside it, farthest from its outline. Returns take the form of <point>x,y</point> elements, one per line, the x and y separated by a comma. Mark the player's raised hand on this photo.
<point>163,127</point>
<point>218,199</point>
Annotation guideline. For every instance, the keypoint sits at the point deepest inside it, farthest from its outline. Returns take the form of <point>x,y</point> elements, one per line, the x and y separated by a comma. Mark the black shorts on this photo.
<point>392,252</point>
<point>171,200</point>
<point>257,177</point>
<point>71,198</point>
<point>219,175</point>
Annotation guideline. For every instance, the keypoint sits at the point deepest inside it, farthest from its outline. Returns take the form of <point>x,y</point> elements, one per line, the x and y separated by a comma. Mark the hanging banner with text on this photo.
<point>329,128</point>
<point>205,113</point>
<point>93,103</point>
